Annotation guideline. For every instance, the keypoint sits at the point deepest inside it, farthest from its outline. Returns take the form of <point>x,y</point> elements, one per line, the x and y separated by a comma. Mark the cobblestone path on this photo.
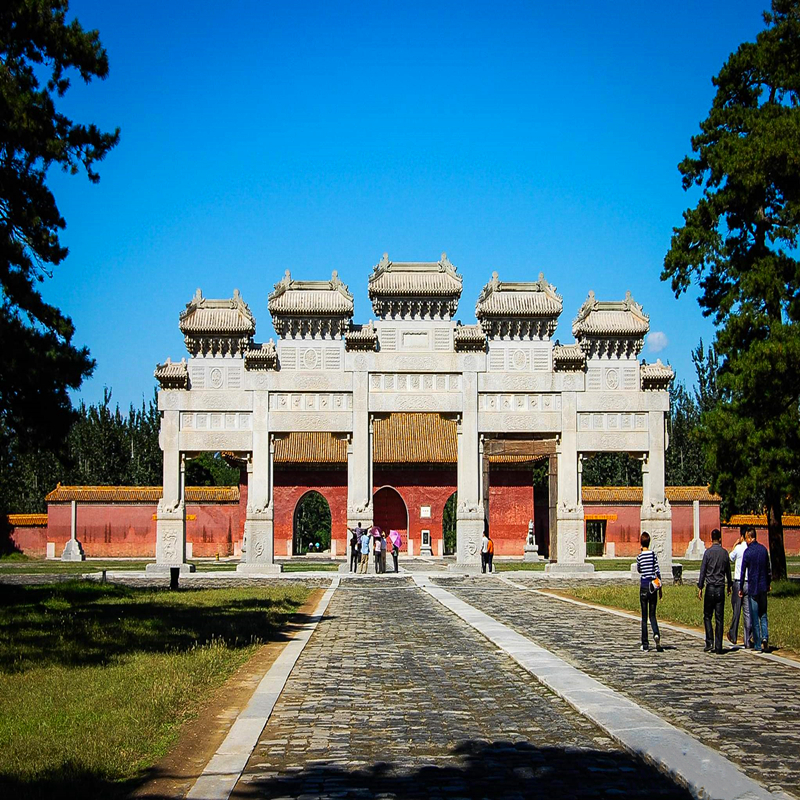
<point>393,696</point>
<point>744,707</point>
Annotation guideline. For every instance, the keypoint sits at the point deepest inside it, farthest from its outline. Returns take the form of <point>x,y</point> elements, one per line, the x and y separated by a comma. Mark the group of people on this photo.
<point>362,541</point>
<point>748,589</point>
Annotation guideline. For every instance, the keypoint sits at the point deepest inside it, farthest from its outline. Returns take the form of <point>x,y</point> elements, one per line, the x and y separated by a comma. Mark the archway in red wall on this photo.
<point>312,524</point>
<point>390,512</point>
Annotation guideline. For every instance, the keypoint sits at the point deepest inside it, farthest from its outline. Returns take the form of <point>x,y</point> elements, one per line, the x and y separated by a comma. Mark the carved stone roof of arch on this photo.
<point>614,318</point>
<point>656,376</point>
<point>206,317</point>
<point>329,298</point>
<point>469,337</point>
<point>172,375</point>
<point>518,299</point>
<point>568,358</point>
<point>414,279</point>
<point>361,337</point>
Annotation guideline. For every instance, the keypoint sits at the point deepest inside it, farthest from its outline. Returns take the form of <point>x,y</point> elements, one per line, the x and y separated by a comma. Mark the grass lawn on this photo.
<point>680,604</point>
<point>95,680</point>
<point>313,567</point>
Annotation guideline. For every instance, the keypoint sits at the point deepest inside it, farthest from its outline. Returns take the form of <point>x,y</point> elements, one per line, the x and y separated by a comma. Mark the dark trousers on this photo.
<point>714,604</point>
<point>648,601</point>
<point>378,563</point>
<point>394,556</point>
<point>489,559</point>
<point>484,561</point>
<point>355,557</point>
<point>741,608</point>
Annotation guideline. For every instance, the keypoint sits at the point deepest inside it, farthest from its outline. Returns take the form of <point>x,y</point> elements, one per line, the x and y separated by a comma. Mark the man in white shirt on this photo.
<point>484,550</point>
<point>739,604</point>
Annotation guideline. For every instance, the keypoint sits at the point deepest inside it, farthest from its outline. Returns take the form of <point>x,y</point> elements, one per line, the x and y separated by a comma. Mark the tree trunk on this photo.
<point>777,552</point>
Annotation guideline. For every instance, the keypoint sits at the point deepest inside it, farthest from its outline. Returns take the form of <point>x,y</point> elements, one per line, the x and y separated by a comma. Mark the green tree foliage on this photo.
<point>210,469</point>
<point>739,244</point>
<point>38,361</point>
<point>449,523</point>
<point>312,523</point>
<point>612,469</point>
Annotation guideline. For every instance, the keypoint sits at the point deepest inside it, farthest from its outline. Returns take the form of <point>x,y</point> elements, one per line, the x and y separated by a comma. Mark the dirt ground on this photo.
<point>175,774</point>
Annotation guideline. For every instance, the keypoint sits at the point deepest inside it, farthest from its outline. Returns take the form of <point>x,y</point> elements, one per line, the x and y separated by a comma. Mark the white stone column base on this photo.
<point>257,545</point>
<point>73,551</point>
<point>695,549</point>
<point>170,537</point>
<point>469,532</point>
<point>163,569</point>
<point>657,521</point>
<point>531,554</point>
<point>571,538</point>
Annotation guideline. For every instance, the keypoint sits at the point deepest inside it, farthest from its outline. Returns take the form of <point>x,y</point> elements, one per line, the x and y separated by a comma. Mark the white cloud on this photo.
<point>657,341</point>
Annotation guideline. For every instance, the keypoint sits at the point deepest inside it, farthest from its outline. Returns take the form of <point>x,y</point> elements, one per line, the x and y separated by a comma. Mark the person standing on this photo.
<point>355,547</point>
<point>395,554</point>
<point>649,590</point>
<point>376,551</point>
<point>739,604</point>
<point>715,575</point>
<point>384,548</point>
<point>364,564</point>
<point>757,574</point>
<point>484,549</point>
<point>490,552</point>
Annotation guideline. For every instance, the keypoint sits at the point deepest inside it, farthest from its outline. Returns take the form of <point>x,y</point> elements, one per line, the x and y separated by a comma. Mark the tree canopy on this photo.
<point>739,244</point>
<point>39,50</point>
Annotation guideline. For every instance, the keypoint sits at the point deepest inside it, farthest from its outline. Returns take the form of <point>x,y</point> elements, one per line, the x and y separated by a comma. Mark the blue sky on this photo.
<point>259,137</point>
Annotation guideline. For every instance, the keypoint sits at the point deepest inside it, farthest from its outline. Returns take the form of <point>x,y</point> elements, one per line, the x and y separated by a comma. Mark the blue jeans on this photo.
<point>758,618</point>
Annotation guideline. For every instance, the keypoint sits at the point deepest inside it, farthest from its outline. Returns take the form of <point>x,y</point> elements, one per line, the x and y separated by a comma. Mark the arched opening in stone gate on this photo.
<point>312,525</point>
<point>390,512</point>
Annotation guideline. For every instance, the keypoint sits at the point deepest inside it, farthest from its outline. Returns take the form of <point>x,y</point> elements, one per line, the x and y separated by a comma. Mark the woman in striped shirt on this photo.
<point>649,592</point>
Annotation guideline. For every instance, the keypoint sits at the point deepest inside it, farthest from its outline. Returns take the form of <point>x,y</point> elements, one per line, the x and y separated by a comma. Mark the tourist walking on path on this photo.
<point>364,565</point>
<point>384,548</point>
<point>715,575</point>
<point>649,590</point>
<point>485,549</point>
<point>739,603</point>
<point>355,547</point>
<point>758,575</point>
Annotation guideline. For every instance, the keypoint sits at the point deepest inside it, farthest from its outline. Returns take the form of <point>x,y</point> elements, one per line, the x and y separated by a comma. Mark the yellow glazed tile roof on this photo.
<point>633,494</point>
<point>789,520</point>
<point>27,520</point>
<point>140,494</point>
<point>415,438</point>
<point>311,447</point>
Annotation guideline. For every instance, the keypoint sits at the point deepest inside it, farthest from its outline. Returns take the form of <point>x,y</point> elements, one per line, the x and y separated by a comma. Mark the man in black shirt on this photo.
<point>715,573</point>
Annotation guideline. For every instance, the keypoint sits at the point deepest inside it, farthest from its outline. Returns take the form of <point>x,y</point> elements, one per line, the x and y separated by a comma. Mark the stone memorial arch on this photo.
<point>413,385</point>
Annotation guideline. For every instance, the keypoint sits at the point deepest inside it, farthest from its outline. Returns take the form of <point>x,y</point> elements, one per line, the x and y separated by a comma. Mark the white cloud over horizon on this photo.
<point>657,341</point>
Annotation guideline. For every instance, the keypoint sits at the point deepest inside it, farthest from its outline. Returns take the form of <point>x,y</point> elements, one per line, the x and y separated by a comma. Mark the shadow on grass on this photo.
<point>88,624</point>
<point>474,769</point>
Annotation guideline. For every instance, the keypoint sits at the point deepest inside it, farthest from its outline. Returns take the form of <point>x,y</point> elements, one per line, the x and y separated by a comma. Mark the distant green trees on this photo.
<point>312,524</point>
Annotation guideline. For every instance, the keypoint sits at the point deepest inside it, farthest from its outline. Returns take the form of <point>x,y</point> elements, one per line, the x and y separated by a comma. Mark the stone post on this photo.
<point>570,530</point>
<point>470,512</point>
<point>359,457</point>
<point>258,546</point>
<point>72,549</point>
<point>171,509</point>
<point>696,547</point>
<point>656,514</point>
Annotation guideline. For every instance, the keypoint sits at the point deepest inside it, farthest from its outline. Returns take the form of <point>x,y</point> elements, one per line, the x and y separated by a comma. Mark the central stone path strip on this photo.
<point>394,696</point>
<point>743,707</point>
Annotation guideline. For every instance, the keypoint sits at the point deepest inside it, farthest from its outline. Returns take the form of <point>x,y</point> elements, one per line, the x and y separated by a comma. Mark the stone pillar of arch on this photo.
<point>656,513</point>
<point>569,534</point>
<point>359,457</point>
<point>470,511</point>
<point>258,544</point>
<point>171,510</point>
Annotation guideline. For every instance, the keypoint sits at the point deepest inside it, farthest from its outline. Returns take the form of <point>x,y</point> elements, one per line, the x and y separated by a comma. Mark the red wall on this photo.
<point>510,509</point>
<point>420,485</point>
<point>129,530</point>
<point>31,541</point>
<point>626,529</point>
<point>290,483</point>
<point>791,538</point>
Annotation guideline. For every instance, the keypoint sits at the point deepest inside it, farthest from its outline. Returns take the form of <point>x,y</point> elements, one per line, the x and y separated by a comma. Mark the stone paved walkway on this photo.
<point>755,725</point>
<point>393,696</point>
